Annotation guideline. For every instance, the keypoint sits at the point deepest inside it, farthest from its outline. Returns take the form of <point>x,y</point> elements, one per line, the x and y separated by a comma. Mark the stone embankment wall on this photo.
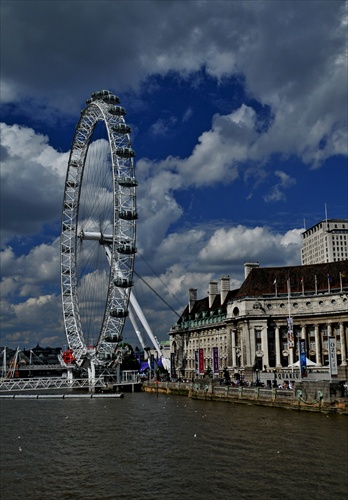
<point>327,397</point>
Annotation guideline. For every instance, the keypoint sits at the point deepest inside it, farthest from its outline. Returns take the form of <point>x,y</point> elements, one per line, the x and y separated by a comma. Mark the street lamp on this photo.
<point>257,376</point>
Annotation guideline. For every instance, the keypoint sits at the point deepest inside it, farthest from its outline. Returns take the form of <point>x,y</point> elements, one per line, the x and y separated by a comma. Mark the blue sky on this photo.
<point>239,121</point>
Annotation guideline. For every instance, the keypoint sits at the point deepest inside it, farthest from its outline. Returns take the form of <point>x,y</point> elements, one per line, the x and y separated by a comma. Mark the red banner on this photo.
<point>201,361</point>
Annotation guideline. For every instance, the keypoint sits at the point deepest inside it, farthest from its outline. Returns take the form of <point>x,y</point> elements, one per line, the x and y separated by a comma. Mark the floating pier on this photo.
<point>59,396</point>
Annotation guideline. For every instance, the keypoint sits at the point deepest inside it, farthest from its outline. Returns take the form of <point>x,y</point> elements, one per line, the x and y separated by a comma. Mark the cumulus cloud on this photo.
<point>277,193</point>
<point>214,159</point>
<point>32,181</point>
<point>157,205</point>
<point>163,126</point>
<point>27,311</point>
<point>236,245</point>
<point>36,318</point>
<point>27,274</point>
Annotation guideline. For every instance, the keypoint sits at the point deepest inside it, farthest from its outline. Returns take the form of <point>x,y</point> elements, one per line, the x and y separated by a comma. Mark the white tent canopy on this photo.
<point>297,364</point>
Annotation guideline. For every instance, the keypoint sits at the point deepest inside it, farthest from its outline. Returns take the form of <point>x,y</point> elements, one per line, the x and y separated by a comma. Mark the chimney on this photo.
<point>224,287</point>
<point>213,291</point>
<point>192,298</point>
<point>248,266</point>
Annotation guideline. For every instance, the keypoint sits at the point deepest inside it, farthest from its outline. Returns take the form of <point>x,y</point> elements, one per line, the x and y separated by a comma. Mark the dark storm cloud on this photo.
<point>23,198</point>
<point>58,50</point>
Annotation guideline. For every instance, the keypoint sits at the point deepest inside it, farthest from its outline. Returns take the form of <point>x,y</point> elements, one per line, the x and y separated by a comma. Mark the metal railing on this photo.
<point>32,384</point>
<point>128,377</point>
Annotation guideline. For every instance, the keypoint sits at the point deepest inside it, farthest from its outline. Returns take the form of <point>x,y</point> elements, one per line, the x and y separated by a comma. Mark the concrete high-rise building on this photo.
<point>325,242</point>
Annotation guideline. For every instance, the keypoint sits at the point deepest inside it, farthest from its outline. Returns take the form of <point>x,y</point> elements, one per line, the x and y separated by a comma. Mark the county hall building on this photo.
<point>259,326</point>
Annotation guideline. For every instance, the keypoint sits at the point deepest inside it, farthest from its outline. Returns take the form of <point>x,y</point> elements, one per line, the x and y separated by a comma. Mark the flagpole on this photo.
<point>341,282</point>
<point>326,215</point>
<point>289,293</point>
<point>290,324</point>
<point>299,359</point>
<point>316,285</point>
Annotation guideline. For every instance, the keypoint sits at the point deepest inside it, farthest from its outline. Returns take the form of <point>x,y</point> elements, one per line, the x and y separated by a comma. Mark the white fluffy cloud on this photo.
<point>28,273</point>
<point>238,244</point>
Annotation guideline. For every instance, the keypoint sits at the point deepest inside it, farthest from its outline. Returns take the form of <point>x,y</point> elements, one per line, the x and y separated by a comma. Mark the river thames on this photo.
<point>165,446</point>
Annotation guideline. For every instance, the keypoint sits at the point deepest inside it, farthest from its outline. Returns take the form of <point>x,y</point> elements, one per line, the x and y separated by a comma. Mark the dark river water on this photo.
<point>148,447</point>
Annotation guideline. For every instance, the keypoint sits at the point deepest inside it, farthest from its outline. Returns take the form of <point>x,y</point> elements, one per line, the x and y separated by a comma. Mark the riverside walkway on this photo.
<point>320,396</point>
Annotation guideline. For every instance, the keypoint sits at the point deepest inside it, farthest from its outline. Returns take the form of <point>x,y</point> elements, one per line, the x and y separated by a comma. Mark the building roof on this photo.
<point>202,305</point>
<point>326,222</point>
<point>263,281</point>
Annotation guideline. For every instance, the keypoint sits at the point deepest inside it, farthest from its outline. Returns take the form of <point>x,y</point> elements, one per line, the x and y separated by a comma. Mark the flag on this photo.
<point>201,360</point>
<point>332,356</point>
<point>290,332</point>
<point>342,275</point>
<point>329,279</point>
<point>303,358</point>
<point>216,359</point>
<point>144,365</point>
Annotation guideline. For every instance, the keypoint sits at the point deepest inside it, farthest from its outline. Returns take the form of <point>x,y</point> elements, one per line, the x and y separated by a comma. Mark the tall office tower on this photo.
<point>327,241</point>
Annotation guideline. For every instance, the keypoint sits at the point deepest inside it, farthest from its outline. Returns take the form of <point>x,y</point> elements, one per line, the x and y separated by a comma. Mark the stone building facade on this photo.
<point>248,328</point>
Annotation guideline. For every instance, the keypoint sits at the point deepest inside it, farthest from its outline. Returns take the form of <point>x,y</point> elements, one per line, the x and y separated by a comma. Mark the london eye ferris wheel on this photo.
<point>98,232</point>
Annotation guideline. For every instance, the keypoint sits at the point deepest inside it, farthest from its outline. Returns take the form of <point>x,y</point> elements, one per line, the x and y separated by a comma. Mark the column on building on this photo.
<point>277,347</point>
<point>252,348</point>
<point>329,330</point>
<point>303,336</point>
<point>264,346</point>
<point>317,345</point>
<point>246,345</point>
<point>330,334</point>
<point>343,345</point>
<point>234,347</point>
<point>324,338</point>
<point>291,355</point>
<point>303,332</point>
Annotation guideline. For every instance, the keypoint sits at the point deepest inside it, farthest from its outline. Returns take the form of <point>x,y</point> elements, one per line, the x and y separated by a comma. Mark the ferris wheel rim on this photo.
<point>119,245</point>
